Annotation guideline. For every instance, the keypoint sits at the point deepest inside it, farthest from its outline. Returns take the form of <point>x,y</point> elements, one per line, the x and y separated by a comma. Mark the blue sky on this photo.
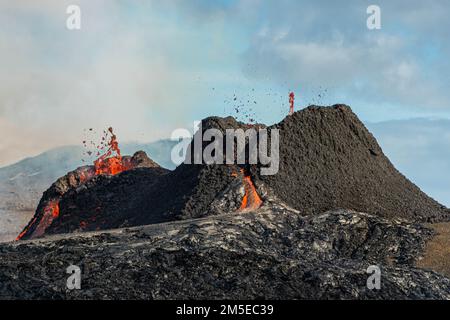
<point>148,67</point>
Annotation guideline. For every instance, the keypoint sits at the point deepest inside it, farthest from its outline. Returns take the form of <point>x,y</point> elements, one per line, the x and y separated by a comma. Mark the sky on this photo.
<point>149,67</point>
<point>420,149</point>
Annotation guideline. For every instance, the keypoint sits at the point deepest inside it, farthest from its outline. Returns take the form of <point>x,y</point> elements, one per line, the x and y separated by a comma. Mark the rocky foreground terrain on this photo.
<point>336,207</point>
<point>272,253</point>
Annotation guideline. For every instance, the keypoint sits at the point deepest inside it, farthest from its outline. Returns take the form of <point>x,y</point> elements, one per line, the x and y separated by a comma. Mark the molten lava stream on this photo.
<point>251,200</point>
<point>20,236</point>
<point>51,212</point>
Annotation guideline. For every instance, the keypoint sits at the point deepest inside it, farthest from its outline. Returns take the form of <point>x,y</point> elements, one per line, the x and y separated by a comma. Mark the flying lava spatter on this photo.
<point>291,103</point>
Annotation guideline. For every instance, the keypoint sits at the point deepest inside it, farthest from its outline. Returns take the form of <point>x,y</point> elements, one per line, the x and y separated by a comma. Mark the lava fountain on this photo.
<point>110,163</point>
<point>291,103</point>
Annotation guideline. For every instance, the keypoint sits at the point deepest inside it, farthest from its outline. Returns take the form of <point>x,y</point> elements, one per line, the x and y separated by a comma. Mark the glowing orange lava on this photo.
<point>51,212</point>
<point>52,209</point>
<point>20,236</point>
<point>106,164</point>
<point>251,200</point>
<point>291,103</point>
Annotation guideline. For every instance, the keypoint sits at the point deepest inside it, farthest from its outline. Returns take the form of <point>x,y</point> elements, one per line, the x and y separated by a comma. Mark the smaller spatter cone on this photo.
<point>240,195</point>
<point>110,163</point>
<point>213,189</point>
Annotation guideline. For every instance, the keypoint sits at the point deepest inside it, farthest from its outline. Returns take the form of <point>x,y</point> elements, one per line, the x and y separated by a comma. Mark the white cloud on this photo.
<point>329,46</point>
<point>134,65</point>
<point>114,72</point>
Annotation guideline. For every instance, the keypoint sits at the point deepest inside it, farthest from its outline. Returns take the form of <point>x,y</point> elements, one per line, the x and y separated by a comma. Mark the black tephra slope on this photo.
<point>329,160</point>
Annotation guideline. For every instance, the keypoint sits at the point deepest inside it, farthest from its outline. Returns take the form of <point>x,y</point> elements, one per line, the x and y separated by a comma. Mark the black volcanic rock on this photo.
<point>329,160</point>
<point>272,253</point>
<point>107,202</point>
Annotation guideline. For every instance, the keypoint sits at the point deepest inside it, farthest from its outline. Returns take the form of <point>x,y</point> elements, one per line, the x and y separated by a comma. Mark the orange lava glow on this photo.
<point>251,200</point>
<point>291,103</point>
<point>51,212</point>
<point>20,236</point>
<point>107,164</point>
<point>53,209</point>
